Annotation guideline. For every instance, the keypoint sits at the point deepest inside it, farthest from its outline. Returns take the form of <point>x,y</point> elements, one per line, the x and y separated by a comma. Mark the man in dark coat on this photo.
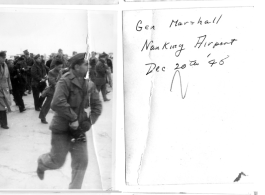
<point>29,61</point>
<point>73,94</point>
<point>38,73</point>
<point>101,76</point>
<point>48,63</point>
<point>53,76</point>
<point>17,84</point>
<point>92,70</point>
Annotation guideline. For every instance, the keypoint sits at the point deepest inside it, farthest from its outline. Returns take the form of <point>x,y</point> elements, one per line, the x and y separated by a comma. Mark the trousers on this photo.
<point>38,100</point>
<point>101,86</point>
<point>61,145</point>
<point>46,107</point>
<point>18,96</point>
<point>29,82</point>
<point>3,118</point>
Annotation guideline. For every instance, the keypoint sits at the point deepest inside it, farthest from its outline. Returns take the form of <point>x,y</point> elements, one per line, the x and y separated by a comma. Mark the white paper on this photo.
<point>201,125</point>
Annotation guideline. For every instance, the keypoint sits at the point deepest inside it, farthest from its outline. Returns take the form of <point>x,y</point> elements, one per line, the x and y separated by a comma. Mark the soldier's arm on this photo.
<point>95,105</point>
<point>59,102</point>
<point>52,79</point>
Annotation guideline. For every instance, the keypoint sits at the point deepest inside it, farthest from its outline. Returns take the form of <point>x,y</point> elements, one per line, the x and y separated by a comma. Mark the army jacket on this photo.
<point>70,101</point>
<point>38,72</point>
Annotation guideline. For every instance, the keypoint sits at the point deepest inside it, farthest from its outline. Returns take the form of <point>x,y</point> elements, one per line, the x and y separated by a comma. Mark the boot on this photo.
<point>43,120</point>
<point>104,93</point>
<point>39,171</point>
<point>3,119</point>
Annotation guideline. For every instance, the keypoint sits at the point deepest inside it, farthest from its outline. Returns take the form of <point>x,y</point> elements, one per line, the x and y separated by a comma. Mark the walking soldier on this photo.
<point>73,94</point>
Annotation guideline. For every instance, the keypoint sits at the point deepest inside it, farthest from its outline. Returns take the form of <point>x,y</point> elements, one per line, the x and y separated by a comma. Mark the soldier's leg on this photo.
<point>46,107</point>
<point>36,97</point>
<point>15,95</point>
<point>56,157</point>
<point>41,100</point>
<point>3,118</point>
<point>79,164</point>
<point>29,84</point>
<point>26,82</point>
<point>20,101</point>
<point>104,92</point>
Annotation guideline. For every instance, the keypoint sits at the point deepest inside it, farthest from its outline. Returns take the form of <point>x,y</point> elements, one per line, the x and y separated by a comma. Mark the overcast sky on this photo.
<point>45,31</point>
<point>102,31</point>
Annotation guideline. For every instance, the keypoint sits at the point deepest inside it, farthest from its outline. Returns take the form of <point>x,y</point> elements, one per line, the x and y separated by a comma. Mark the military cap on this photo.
<point>21,58</point>
<point>58,62</point>
<point>3,54</point>
<point>36,56</point>
<point>103,55</point>
<point>77,57</point>
<point>26,52</point>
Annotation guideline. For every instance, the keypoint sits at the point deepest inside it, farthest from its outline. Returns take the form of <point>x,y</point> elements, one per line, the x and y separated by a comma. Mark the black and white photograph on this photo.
<point>56,98</point>
<point>131,97</point>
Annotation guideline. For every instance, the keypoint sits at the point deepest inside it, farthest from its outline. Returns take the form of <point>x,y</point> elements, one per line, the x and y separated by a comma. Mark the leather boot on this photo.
<point>3,119</point>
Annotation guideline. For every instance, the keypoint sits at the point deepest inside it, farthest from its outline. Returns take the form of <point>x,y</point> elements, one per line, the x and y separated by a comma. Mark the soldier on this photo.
<point>38,73</point>
<point>60,56</point>
<point>29,61</point>
<point>109,71</point>
<point>101,76</point>
<point>73,94</point>
<point>17,83</point>
<point>92,62</point>
<point>49,61</point>
<point>53,77</point>
<point>5,90</point>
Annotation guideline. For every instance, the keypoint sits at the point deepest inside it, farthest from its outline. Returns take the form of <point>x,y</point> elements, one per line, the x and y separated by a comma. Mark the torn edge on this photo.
<point>150,108</point>
<point>92,127</point>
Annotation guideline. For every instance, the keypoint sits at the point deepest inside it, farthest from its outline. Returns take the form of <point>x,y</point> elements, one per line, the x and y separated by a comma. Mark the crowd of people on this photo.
<point>28,73</point>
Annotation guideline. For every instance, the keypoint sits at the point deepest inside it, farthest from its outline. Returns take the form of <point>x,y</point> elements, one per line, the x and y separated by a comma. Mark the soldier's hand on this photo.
<point>74,125</point>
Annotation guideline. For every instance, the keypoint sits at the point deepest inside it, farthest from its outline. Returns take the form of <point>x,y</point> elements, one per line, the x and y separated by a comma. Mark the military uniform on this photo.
<point>92,71</point>
<point>58,57</point>
<point>53,76</point>
<point>101,78</point>
<point>17,84</point>
<point>38,72</point>
<point>30,62</point>
<point>70,100</point>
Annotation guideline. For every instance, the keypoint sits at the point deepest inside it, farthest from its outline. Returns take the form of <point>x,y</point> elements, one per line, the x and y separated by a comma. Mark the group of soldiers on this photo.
<point>26,72</point>
<point>69,93</point>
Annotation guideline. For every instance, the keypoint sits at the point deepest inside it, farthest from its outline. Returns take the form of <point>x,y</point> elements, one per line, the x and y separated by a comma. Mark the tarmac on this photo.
<point>27,138</point>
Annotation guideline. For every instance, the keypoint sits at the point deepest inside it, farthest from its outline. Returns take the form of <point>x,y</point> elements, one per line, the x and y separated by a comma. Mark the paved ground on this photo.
<point>27,138</point>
